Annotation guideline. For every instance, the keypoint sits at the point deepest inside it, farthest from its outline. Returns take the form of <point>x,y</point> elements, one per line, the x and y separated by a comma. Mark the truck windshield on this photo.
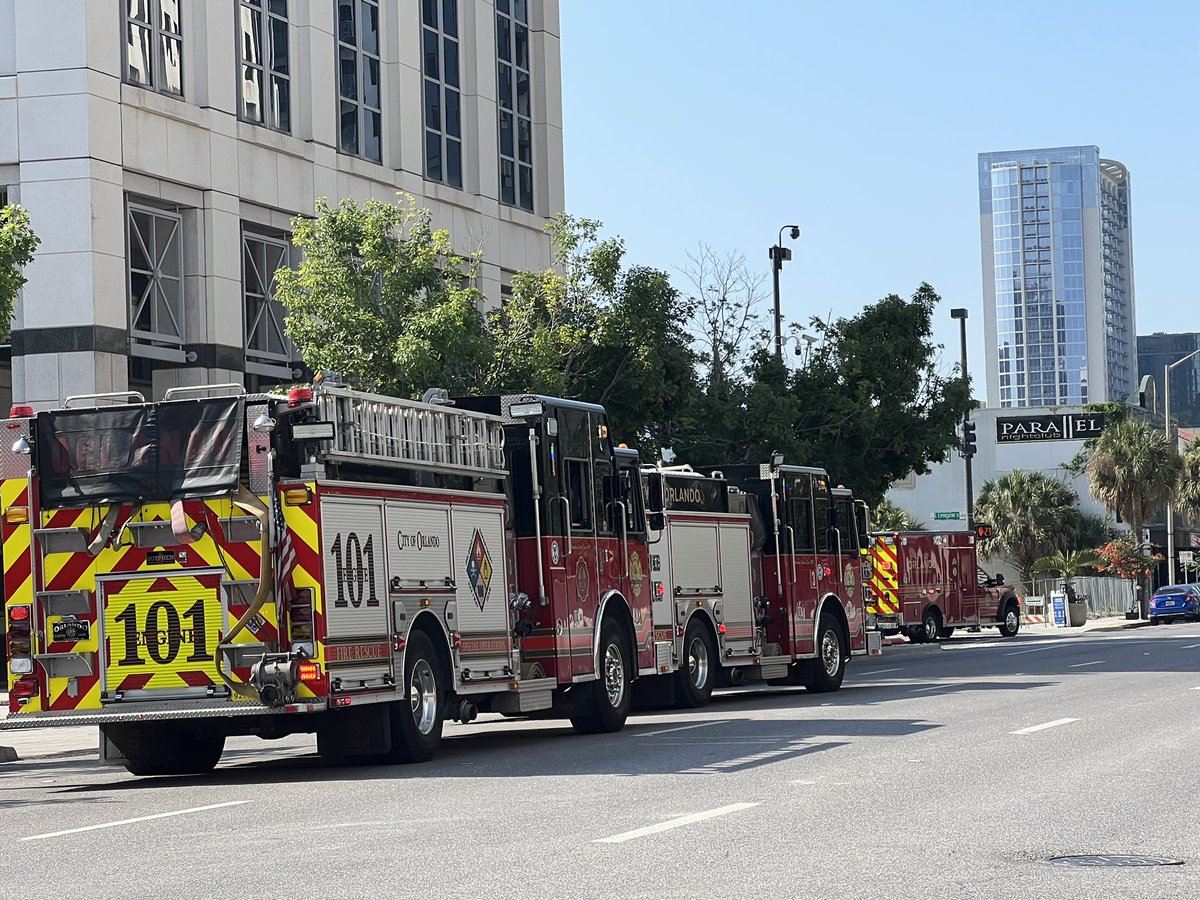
<point>174,450</point>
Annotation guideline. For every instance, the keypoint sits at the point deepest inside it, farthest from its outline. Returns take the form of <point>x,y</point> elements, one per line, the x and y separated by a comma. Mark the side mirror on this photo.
<point>656,520</point>
<point>997,578</point>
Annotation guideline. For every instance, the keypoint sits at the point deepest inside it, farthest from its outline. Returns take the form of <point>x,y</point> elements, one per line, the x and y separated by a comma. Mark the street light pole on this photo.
<point>779,253</point>
<point>961,315</point>
<point>1167,426</point>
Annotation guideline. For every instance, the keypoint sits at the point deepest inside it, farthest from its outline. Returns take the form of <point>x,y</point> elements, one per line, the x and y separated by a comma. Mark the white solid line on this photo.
<point>180,812</point>
<point>675,823</point>
<point>1032,728</point>
<point>1032,650</point>
<point>680,728</point>
<point>1094,662</point>
<point>1196,689</point>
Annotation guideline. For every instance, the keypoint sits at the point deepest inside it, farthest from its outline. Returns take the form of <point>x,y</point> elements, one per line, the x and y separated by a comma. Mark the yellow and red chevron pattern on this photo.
<point>884,586</point>
<point>156,615</point>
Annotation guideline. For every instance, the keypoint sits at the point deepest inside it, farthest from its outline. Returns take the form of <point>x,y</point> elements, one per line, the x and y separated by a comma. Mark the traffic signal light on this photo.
<point>968,443</point>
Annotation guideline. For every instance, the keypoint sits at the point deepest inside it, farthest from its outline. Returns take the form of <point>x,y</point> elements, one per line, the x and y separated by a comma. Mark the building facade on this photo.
<point>1159,350</point>
<point>1057,277</point>
<point>163,147</point>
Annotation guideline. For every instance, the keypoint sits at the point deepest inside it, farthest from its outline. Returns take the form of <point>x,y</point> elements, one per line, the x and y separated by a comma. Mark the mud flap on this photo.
<point>361,731</point>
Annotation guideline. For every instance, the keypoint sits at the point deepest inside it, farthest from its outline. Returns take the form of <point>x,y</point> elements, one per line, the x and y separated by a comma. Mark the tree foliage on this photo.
<point>382,297</point>
<point>17,246</point>
<point>888,516</point>
<point>1133,469</point>
<point>1030,513</point>
<point>1187,498</point>
<point>869,404</point>
<point>1125,558</point>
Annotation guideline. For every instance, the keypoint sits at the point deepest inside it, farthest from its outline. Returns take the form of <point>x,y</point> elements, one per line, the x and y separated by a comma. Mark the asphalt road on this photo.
<point>950,771</point>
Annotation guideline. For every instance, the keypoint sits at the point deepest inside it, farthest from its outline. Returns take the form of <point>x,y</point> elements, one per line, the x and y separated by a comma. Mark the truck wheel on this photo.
<point>163,750</point>
<point>697,670</point>
<point>1011,623</point>
<point>829,668</point>
<point>606,700</point>
<point>945,632</point>
<point>931,624</point>
<point>417,723</point>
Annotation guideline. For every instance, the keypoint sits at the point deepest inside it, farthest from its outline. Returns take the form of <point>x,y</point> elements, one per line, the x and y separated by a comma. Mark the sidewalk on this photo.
<point>35,743</point>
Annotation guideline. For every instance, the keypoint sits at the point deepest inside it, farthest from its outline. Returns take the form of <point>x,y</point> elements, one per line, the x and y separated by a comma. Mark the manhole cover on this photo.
<point>1113,859</point>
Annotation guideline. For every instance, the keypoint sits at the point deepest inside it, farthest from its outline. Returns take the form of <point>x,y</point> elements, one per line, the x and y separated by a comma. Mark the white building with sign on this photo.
<point>1008,439</point>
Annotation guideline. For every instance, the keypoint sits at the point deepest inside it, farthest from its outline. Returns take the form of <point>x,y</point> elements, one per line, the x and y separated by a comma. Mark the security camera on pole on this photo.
<point>779,253</point>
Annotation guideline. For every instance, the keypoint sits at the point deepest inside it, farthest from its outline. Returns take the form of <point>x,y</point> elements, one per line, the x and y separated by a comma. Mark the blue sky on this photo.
<point>709,121</point>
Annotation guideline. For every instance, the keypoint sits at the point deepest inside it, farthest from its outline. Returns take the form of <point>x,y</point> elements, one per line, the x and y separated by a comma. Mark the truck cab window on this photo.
<point>579,492</point>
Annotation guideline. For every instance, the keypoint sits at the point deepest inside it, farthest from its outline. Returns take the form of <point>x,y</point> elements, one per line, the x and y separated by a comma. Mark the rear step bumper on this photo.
<point>153,712</point>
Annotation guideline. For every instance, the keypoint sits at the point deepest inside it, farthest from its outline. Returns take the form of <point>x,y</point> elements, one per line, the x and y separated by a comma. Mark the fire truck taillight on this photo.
<point>20,641</point>
<point>308,671</point>
<point>300,616</point>
<point>16,515</point>
<point>296,396</point>
<point>659,589</point>
<point>24,689</point>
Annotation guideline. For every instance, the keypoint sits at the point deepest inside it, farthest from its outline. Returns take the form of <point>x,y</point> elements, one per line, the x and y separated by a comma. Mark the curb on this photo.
<point>8,754</point>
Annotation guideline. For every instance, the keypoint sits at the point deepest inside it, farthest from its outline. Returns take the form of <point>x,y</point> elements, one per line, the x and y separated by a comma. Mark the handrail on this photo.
<point>111,395</point>
<point>566,518</point>
<point>792,542</point>
<point>172,393</point>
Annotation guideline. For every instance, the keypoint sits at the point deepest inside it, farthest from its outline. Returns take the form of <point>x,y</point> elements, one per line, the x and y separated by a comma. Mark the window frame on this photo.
<point>156,344</point>
<point>277,118</point>
<point>512,16</point>
<point>439,81</point>
<point>361,57</point>
<point>269,313</point>
<point>158,34</point>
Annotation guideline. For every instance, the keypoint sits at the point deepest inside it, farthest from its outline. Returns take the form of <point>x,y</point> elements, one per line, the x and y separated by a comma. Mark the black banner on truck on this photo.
<point>689,493</point>
<point>168,451</point>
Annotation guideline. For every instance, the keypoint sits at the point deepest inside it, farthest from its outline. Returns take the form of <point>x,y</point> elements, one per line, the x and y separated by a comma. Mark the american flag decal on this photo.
<point>285,553</point>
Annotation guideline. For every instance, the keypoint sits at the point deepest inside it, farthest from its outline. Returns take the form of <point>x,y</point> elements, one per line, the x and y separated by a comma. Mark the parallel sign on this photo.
<point>1069,427</point>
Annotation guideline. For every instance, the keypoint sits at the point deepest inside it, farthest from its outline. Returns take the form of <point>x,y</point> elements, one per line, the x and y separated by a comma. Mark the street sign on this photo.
<point>952,516</point>
<point>1185,558</point>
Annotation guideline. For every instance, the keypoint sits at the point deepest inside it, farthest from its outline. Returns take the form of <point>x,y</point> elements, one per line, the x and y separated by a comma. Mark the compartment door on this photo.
<point>738,605</point>
<point>480,565</point>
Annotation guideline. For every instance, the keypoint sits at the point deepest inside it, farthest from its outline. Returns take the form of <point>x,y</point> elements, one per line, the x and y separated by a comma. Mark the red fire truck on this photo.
<point>364,567</point>
<point>926,584</point>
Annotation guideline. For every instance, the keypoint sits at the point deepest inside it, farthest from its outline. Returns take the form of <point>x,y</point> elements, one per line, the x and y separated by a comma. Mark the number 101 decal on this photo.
<point>355,573</point>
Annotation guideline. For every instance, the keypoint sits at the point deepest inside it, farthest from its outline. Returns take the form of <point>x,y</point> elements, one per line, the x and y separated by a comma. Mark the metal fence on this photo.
<point>1104,596</point>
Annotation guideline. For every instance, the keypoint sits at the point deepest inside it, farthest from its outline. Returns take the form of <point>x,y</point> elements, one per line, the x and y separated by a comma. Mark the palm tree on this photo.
<point>1030,513</point>
<point>1067,565</point>
<point>1187,499</point>
<point>1133,470</point>
<point>887,516</point>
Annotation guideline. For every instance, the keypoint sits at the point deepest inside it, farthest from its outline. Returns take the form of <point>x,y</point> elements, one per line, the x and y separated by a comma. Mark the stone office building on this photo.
<point>162,148</point>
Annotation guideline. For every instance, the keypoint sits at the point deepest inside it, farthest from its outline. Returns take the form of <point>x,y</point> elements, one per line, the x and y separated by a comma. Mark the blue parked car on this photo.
<point>1175,601</point>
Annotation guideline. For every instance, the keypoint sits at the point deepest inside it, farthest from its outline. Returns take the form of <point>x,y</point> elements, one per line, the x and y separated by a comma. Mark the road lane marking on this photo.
<point>1190,647</point>
<point>675,823</point>
<point>1196,688</point>
<point>930,687</point>
<point>680,728</point>
<point>1032,728</point>
<point>166,815</point>
<point>1032,650</point>
<point>896,669</point>
<point>1094,662</point>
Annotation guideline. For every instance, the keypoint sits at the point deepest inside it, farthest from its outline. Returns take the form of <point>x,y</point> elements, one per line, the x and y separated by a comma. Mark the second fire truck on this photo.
<point>365,567</point>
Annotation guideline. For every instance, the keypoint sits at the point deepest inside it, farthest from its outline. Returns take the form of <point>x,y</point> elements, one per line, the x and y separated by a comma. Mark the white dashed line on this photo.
<point>1032,650</point>
<point>1032,728</point>
<point>680,728</point>
<point>1094,662</point>
<point>881,671</point>
<point>930,687</point>
<point>1190,647</point>
<point>674,823</point>
<point>166,815</point>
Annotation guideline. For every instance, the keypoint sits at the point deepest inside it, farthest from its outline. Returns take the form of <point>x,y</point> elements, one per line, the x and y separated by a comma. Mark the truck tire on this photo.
<point>164,749</point>
<point>605,701</point>
<point>945,632</point>
<point>1010,621</point>
<point>697,669</point>
<point>931,626</point>
<point>416,723</point>
<point>829,668</point>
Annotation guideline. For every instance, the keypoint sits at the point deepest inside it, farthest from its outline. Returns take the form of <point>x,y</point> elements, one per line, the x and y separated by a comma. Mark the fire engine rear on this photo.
<point>926,584</point>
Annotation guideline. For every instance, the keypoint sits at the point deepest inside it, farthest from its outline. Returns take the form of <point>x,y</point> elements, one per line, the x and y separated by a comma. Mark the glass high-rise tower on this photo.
<point>1057,277</point>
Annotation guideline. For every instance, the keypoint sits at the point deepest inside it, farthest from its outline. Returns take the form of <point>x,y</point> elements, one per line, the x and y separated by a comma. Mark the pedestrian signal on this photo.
<point>983,532</point>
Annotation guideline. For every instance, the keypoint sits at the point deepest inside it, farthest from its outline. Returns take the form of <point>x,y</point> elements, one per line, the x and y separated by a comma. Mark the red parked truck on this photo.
<point>925,584</point>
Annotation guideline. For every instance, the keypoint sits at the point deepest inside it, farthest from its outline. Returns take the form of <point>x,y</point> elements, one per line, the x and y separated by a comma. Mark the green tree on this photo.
<point>382,297</point>
<point>1133,469</point>
<point>17,246</point>
<point>1067,565</point>
<point>868,403</point>
<point>1030,513</point>
<point>1187,499</point>
<point>594,329</point>
<point>887,516</point>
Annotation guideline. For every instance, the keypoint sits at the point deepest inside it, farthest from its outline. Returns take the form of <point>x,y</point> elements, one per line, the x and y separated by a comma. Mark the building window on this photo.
<point>154,45</point>
<point>443,120</point>
<point>360,107</point>
<point>265,74</point>
<point>266,343</point>
<point>516,118</point>
<point>155,271</point>
<point>3,196</point>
